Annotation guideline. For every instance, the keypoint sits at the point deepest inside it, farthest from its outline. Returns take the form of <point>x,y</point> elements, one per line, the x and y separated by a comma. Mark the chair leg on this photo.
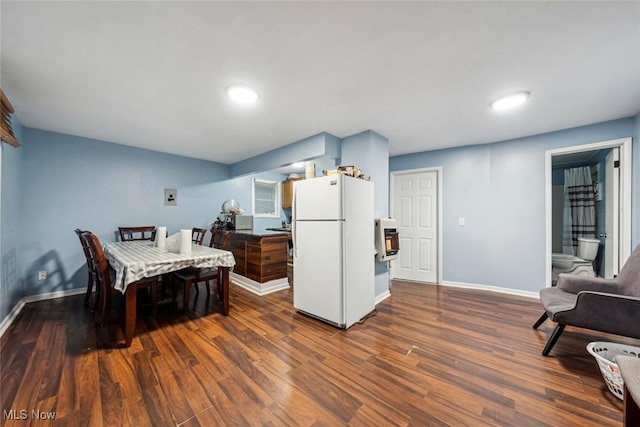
<point>154,297</point>
<point>103,307</point>
<point>552,340</point>
<point>541,320</point>
<point>174,287</point>
<point>96,299</point>
<point>87,296</point>
<point>187,295</point>
<point>220,286</point>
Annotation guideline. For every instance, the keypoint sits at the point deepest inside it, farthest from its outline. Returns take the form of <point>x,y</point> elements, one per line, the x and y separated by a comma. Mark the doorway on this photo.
<point>609,163</point>
<point>416,196</point>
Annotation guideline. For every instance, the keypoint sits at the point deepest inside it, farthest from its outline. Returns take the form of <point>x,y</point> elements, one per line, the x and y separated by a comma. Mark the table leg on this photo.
<point>131,295</point>
<point>187,294</point>
<point>223,294</point>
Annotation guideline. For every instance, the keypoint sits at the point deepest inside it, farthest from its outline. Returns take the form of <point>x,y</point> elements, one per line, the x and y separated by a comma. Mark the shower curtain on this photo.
<point>579,208</point>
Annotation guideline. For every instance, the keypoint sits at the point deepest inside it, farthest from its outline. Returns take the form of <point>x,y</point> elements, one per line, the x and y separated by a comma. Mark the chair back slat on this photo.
<point>147,232</point>
<point>99,261</point>
<point>219,239</point>
<point>85,246</point>
<point>197,235</point>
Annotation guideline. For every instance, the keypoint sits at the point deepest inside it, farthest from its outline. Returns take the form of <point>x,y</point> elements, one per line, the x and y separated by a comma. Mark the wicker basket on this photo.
<point>605,353</point>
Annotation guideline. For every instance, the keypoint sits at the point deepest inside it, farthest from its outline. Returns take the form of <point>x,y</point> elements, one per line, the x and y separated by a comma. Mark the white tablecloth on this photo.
<point>135,260</point>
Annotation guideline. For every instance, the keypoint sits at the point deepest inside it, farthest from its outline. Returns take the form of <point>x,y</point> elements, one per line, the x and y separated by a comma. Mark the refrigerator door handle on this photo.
<point>293,223</point>
<point>293,235</point>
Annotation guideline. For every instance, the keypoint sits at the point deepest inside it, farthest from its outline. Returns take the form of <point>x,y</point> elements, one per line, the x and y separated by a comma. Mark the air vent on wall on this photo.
<point>6,132</point>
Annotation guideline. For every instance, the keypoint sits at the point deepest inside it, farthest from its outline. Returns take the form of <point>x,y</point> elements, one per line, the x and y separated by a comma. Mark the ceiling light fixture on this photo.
<point>510,101</point>
<point>242,93</point>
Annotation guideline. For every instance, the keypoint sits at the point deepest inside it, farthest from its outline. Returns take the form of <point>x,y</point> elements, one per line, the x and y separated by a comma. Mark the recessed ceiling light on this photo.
<point>242,93</point>
<point>510,101</point>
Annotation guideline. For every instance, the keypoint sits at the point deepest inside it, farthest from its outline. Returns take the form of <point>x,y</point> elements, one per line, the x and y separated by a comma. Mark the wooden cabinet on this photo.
<point>287,193</point>
<point>259,257</point>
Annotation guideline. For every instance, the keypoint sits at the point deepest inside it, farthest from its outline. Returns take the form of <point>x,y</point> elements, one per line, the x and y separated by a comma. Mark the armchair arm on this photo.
<point>574,284</point>
<point>604,312</point>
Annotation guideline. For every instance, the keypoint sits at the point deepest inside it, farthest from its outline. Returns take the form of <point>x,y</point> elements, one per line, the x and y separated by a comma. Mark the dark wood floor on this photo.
<point>431,355</point>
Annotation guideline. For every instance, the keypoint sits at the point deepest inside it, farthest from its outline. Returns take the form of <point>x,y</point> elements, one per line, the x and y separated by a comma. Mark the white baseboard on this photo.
<point>32,298</point>
<point>257,287</point>
<point>383,296</point>
<point>11,317</point>
<point>499,289</point>
<point>54,295</point>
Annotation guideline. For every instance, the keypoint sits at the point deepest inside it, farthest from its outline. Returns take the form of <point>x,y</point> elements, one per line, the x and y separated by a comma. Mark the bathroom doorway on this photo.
<point>606,166</point>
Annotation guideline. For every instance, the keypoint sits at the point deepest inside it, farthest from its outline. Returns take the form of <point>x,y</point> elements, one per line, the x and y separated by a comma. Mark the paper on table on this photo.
<point>172,243</point>
<point>185,242</point>
<point>161,237</point>
<point>180,243</point>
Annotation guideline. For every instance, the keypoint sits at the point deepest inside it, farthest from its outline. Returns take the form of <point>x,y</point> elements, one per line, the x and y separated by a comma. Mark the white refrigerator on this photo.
<point>333,249</point>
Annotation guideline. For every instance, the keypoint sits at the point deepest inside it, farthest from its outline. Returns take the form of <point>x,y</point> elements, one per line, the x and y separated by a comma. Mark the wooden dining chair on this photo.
<point>219,239</point>
<point>103,278</point>
<point>197,235</point>
<point>90,269</point>
<point>147,232</point>
<point>192,276</point>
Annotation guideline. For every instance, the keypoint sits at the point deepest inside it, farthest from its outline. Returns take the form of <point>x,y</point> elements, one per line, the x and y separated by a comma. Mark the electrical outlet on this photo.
<point>42,275</point>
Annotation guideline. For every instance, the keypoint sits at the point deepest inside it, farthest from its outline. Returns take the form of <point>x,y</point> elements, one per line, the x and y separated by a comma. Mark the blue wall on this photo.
<point>369,151</point>
<point>71,182</point>
<point>499,189</point>
<point>240,189</point>
<point>321,145</point>
<point>11,283</point>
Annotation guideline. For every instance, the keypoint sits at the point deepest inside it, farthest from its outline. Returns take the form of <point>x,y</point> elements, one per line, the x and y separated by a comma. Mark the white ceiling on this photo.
<point>422,74</point>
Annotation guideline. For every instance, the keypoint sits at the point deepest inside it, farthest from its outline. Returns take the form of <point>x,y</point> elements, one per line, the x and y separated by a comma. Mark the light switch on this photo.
<point>460,221</point>
<point>170,197</point>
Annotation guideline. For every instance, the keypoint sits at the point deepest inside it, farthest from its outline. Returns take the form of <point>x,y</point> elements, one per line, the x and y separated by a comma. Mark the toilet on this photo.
<point>581,265</point>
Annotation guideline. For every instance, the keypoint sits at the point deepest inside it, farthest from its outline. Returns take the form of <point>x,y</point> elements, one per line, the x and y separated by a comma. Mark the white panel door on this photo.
<point>415,202</point>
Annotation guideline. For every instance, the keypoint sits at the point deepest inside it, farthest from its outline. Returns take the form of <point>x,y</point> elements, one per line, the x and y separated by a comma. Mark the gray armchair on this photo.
<point>606,305</point>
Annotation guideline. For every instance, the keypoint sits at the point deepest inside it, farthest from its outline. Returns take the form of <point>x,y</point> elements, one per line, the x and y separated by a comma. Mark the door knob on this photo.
<point>603,235</point>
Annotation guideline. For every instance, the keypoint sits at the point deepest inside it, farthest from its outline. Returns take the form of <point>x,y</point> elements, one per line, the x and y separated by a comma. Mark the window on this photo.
<point>266,198</point>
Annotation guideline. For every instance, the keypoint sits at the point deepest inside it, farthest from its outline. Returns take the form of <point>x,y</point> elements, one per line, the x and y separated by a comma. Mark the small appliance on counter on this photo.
<point>233,222</point>
<point>232,218</point>
<point>242,222</point>
<point>387,242</point>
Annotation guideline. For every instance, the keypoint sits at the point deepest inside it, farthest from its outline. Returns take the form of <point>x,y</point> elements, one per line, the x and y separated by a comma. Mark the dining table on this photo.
<point>135,260</point>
